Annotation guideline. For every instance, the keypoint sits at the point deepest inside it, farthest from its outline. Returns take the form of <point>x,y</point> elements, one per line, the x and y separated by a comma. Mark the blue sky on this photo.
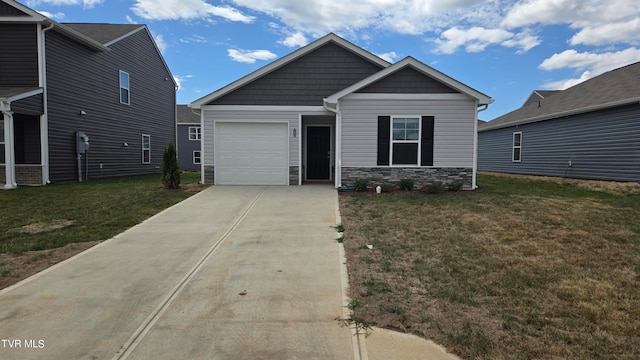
<point>503,48</point>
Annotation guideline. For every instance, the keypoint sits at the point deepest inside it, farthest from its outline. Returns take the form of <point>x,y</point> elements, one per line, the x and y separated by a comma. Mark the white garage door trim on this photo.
<point>251,153</point>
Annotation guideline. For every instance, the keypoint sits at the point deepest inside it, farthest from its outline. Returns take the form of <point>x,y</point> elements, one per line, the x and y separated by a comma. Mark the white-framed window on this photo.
<point>194,133</point>
<point>125,95</point>
<point>196,157</point>
<point>405,140</point>
<point>517,146</point>
<point>146,149</point>
<point>2,161</point>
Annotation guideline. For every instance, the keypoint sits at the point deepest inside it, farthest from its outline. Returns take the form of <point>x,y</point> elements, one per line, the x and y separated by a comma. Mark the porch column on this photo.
<point>9,151</point>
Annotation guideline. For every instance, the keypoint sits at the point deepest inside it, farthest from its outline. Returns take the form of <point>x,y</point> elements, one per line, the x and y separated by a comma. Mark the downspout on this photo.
<point>338,156</point>
<point>9,155</point>
<point>44,118</point>
<point>475,146</point>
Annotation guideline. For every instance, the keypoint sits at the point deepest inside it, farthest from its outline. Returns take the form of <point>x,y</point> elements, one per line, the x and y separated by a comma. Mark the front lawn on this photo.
<point>43,225</point>
<point>522,268</point>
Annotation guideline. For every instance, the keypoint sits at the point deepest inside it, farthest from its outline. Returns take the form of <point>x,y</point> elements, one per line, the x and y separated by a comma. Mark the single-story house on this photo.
<point>332,111</point>
<point>80,101</point>
<point>588,131</point>
<point>188,139</point>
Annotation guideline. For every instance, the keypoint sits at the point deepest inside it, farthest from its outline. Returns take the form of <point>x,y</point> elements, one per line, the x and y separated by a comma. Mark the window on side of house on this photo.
<point>124,88</point>
<point>2,161</point>
<point>517,146</point>
<point>146,149</point>
<point>194,133</point>
<point>196,157</point>
<point>405,140</point>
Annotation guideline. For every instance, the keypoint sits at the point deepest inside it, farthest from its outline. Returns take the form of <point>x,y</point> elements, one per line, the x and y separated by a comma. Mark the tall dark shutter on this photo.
<point>384,128</point>
<point>426,154</point>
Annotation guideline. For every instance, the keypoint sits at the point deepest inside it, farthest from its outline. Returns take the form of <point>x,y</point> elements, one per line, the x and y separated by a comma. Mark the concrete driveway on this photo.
<point>231,273</point>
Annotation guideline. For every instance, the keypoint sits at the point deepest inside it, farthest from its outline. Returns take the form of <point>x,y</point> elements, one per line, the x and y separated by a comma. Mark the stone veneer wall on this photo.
<point>29,174</point>
<point>421,176</point>
<point>293,175</point>
<point>208,174</point>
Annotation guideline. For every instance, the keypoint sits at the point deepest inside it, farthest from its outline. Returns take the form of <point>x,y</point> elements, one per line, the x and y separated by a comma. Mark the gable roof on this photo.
<point>105,34</point>
<point>329,38</point>
<point>184,115</point>
<point>420,67</point>
<point>614,88</point>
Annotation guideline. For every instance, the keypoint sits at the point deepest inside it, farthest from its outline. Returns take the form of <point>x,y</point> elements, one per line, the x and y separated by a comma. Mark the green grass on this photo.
<point>522,268</point>
<point>98,210</point>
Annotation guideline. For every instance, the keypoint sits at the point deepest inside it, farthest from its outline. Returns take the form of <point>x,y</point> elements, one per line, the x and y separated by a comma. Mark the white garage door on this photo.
<point>251,153</point>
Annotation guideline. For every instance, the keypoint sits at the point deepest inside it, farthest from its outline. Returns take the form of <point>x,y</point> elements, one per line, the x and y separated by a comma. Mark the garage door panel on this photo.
<point>251,153</point>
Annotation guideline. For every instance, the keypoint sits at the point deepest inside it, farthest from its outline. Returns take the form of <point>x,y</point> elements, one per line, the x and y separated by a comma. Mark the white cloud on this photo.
<point>295,40</point>
<point>389,56</point>
<point>523,41</point>
<point>250,56</point>
<point>406,17</point>
<point>567,83</point>
<point>476,39</point>
<point>590,64</point>
<point>180,79</point>
<point>85,3</point>
<point>194,39</point>
<point>626,31</point>
<point>130,20</point>
<point>162,45</point>
<point>57,16</point>
<point>186,10</point>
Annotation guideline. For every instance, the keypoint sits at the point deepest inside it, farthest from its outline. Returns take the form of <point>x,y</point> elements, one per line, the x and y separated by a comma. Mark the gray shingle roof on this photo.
<point>612,88</point>
<point>103,33</point>
<point>184,115</point>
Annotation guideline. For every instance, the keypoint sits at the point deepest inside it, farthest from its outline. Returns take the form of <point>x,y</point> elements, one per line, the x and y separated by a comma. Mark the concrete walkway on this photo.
<point>230,273</point>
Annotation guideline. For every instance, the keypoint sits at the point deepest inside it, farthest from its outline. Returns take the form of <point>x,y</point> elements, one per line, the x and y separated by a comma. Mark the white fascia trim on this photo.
<point>33,15</point>
<point>419,66</point>
<point>301,109</point>
<point>124,36</point>
<point>25,94</point>
<point>373,96</point>
<point>285,60</point>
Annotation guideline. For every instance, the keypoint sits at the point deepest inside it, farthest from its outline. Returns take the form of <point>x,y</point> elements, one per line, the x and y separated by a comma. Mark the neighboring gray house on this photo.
<point>588,131</point>
<point>57,81</point>
<point>331,111</point>
<point>189,144</point>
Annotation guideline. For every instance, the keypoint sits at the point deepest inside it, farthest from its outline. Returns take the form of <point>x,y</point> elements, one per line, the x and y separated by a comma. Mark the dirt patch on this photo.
<point>43,227</point>
<point>614,187</point>
<point>14,268</point>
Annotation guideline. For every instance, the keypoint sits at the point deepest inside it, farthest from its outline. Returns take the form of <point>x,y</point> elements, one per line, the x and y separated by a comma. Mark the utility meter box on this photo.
<point>82,142</point>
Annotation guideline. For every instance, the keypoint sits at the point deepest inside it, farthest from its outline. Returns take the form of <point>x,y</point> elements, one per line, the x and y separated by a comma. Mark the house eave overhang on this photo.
<point>285,60</point>
<point>560,114</point>
<point>481,98</point>
<point>19,94</point>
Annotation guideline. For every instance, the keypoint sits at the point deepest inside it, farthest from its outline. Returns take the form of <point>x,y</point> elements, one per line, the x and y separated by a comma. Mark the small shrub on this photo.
<point>361,185</point>
<point>455,185</point>
<point>386,188</point>
<point>406,184</point>
<point>170,168</point>
<point>434,188</point>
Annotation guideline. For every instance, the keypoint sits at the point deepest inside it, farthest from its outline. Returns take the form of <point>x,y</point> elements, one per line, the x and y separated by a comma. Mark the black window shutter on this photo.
<point>426,155</point>
<point>384,128</point>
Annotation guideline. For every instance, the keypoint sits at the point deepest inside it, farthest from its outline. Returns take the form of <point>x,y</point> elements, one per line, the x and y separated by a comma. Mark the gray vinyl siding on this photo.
<point>32,105</point>
<point>304,81</point>
<point>19,66</point>
<point>8,10</point>
<point>186,147</point>
<point>407,81</point>
<point>603,145</point>
<point>292,117</point>
<point>81,79</point>
<point>453,129</point>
